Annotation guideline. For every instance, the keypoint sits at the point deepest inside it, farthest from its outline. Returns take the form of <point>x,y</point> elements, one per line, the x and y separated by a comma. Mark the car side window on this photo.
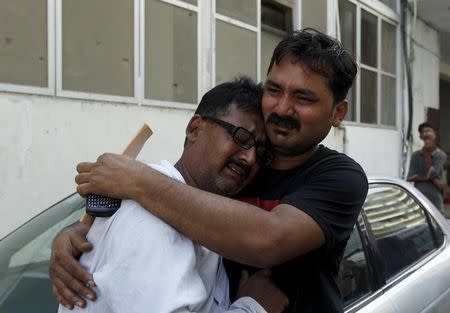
<point>353,272</point>
<point>401,227</point>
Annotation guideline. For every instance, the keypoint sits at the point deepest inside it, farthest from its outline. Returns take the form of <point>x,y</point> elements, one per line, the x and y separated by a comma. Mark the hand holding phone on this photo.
<point>102,206</point>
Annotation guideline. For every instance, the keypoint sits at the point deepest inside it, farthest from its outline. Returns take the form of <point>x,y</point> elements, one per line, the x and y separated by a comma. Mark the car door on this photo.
<point>360,291</point>
<point>414,256</point>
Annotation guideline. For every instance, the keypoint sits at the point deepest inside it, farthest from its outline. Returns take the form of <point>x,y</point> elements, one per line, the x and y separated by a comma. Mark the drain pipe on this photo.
<point>407,138</point>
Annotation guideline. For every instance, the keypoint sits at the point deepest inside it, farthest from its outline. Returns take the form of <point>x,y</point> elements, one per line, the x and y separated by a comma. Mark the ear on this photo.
<point>193,128</point>
<point>339,111</point>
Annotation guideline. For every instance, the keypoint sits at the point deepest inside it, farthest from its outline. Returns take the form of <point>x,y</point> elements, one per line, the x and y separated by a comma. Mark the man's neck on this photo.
<point>429,149</point>
<point>286,162</point>
<point>181,167</point>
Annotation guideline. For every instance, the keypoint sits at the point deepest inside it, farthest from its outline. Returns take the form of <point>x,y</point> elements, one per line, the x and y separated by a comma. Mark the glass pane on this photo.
<point>276,15</point>
<point>314,14</point>
<point>97,53</point>
<point>170,54</point>
<point>353,272</point>
<point>23,42</point>
<point>269,40</point>
<point>276,22</point>
<point>390,3</point>
<point>400,228</point>
<point>388,47</point>
<point>368,38</point>
<point>388,100</point>
<point>368,97</point>
<point>347,18</point>
<point>235,52</point>
<point>242,10</point>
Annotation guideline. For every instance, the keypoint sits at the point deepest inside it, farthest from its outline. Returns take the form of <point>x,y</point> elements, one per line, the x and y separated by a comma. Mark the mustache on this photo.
<point>287,122</point>
<point>245,168</point>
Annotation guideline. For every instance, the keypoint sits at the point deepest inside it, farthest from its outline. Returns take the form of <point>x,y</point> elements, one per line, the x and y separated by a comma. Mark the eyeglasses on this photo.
<point>244,139</point>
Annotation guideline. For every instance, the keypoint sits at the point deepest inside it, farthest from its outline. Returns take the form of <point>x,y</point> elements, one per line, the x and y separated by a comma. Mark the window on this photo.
<point>98,55</point>
<point>353,272</point>
<point>314,14</point>
<point>238,50</point>
<point>170,52</point>
<point>372,38</point>
<point>276,23</point>
<point>402,229</point>
<point>348,38</point>
<point>236,39</point>
<point>24,42</point>
<point>137,51</point>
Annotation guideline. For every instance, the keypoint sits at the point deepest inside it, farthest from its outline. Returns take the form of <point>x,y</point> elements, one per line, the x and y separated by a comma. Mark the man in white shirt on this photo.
<point>141,264</point>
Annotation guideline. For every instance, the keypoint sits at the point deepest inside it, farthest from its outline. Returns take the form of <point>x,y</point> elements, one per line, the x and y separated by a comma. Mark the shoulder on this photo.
<point>331,174</point>
<point>344,174</point>
<point>441,153</point>
<point>331,160</point>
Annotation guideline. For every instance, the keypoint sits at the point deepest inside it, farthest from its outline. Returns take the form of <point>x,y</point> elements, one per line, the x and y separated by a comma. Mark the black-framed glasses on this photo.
<point>244,139</point>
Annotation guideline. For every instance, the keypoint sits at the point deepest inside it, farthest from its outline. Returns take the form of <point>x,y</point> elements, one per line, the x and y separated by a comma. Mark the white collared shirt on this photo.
<point>141,264</point>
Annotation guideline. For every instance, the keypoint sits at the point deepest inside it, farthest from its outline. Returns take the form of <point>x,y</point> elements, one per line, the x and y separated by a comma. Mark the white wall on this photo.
<point>377,150</point>
<point>43,138</point>
<point>425,70</point>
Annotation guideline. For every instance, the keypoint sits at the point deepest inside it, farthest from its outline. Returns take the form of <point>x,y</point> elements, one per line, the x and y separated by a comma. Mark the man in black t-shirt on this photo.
<point>313,194</point>
<point>328,188</point>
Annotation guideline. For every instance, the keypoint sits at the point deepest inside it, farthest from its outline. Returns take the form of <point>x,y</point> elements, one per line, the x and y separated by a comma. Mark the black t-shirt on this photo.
<point>331,188</point>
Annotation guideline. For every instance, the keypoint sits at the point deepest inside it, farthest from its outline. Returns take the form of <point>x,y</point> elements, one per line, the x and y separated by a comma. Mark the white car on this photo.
<point>397,259</point>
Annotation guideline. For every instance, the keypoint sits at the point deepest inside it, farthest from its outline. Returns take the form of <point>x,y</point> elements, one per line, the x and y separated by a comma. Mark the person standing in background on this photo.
<point>426,169</point>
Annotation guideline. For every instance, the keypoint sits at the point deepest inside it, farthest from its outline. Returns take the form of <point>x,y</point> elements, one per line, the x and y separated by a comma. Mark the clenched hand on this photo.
<point>69,279</point>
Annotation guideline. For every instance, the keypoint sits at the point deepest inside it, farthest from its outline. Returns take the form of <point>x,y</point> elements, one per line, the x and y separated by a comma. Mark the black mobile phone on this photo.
<point>101,206</point>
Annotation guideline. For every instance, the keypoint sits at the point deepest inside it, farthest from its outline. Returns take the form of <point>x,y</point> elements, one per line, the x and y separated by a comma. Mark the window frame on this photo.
<point>229,20</point>
<point>371,266</point>
<point>60,92</point>
<point>206,54</point>
<point>200,57</point>
<point>383,13</point>
<point>50,89</point>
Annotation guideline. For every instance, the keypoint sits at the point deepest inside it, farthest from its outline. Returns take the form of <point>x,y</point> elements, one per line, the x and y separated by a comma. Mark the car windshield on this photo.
<point>24,256</point>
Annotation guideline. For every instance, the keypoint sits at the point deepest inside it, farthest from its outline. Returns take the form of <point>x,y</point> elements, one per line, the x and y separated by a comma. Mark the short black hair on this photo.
<point>323,55</point>
<point>243,92</point>
<point>424,125</point>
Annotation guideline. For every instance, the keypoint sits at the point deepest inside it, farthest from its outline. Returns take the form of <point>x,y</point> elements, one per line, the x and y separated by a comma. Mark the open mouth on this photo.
<point>242,171</point>
<point>280,130</point>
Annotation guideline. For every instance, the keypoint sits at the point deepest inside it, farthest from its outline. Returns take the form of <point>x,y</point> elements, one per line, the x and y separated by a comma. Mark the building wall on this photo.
<point>425,70</point>
<point>43,138</point>
<point>377,150</point>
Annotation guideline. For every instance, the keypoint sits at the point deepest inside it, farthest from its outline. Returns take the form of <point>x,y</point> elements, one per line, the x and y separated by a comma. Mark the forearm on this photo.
<point>234,229</point>
<point>438,183</point>
<point>416,179</point>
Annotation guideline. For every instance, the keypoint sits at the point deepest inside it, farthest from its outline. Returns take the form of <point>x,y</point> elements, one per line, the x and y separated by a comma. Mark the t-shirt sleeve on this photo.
<point>333,197</point>
<point>437,168</point>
